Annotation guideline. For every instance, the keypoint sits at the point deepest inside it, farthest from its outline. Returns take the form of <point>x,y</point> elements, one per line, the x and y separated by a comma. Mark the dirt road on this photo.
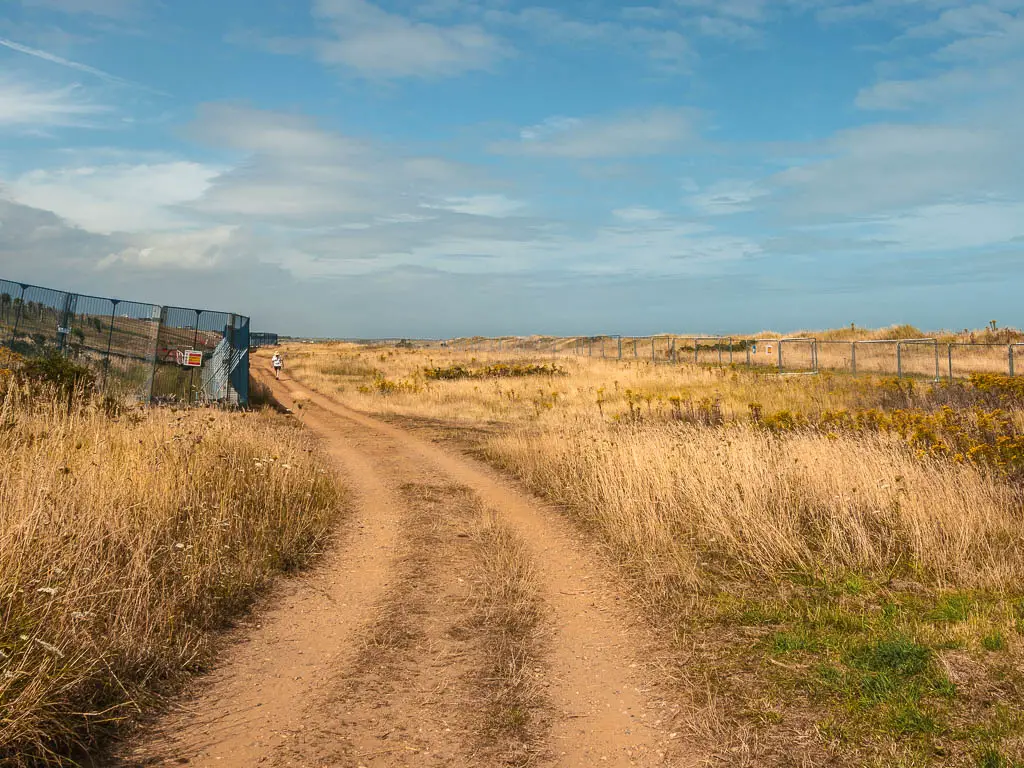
<point>381,656</point>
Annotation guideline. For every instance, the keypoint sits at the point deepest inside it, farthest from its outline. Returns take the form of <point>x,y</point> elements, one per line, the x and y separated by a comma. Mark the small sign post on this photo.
<point>193,359</point>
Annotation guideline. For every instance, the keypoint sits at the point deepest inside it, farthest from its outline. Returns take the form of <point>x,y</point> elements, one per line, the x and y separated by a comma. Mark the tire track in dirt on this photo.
<point>396,702</point>
<point>250,705</point>
<point>604,710</point>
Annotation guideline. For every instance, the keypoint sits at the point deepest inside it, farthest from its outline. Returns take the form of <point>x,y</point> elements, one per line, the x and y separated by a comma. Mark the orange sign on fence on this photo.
<point>192,358</point>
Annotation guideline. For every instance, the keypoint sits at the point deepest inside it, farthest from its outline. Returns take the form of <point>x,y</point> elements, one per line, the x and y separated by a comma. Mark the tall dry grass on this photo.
<point>124,543</point>
<point>699,508</point>
<point>601,387</point>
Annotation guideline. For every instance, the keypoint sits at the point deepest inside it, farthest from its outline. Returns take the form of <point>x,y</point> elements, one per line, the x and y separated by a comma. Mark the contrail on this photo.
<point>45,56</point>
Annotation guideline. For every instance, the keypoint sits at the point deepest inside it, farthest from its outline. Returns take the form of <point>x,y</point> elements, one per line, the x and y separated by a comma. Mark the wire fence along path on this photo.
<point>145,351</point>
<point>259,340</point>
<point>928,358</point>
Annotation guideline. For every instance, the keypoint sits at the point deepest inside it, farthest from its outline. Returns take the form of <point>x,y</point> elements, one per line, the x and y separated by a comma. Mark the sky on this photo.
<point>350,168</point>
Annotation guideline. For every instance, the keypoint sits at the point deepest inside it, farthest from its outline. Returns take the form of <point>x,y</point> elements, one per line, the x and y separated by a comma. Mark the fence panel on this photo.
<point>798,355</point>
<point>40,320</point>
<point>119,339</point>
<point>835,356</point>
<point>963,359</point>
<point>10,304</point>
<point>762,354</point>
<point>878,357</point>
<point>918,357</point>
<point>258,340</point>
<point>712,350</point>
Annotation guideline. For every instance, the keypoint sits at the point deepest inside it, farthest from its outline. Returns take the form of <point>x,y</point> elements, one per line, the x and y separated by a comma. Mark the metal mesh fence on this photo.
<point>143,351</point>
<point>259,340</point>
<point>917,358</point>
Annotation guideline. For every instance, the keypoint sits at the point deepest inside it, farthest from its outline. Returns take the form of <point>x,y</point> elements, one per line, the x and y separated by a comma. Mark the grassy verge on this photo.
<point>126,541</point>
<point>850,601</point>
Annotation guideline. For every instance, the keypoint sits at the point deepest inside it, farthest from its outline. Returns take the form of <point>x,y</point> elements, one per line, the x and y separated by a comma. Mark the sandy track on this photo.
<point>297,691</point>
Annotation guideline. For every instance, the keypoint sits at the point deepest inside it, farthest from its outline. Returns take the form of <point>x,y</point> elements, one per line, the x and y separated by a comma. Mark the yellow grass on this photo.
<point>700,505</point>
<point>801,569</point>
<point>124,543</point>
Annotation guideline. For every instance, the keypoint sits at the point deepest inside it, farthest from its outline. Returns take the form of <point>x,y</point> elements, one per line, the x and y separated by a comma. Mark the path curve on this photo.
<point>264,692</point>
<point>606,713</point>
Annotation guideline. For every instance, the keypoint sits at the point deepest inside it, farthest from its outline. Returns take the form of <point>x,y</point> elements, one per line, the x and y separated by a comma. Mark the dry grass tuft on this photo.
<point>124,543</point>
<point>508,612</point>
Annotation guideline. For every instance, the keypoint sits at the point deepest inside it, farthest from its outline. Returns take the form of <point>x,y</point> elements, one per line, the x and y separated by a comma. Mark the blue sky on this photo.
<point>356,168</point>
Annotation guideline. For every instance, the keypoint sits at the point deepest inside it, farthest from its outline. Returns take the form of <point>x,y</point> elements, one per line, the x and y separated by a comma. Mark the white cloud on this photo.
<point>379,44</point>
<point>637,213</point>
<point>189,250</point>
<point>949,227</point>
<point>666,47</point>
<point>33,106</point>
<point>108,8</point>
<point>115,198</point>
<point>729,29</point>
<point>297,174</point>
<point>494,206</point>
<point>726,197</point>
<point>964,21</point>
<point>549,127</point>
<point>893,167</point>
<point>639,134</point>
<point>748,10</point>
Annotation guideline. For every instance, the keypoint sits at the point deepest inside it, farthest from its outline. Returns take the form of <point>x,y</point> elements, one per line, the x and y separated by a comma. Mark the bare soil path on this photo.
<point>369,661</point>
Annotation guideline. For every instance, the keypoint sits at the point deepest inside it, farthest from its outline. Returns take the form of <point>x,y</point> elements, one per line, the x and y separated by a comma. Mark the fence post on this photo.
<point>110,340</point>
<point>156,350</point>
<point>1010,360</point>
<point>654,357</point>
<point>66,314</point>
<point>938,374</point>
<point>673,342</point>
<point>635,343</point>
<point>17,315</point>
<point>899,359</point>
<point>853,358</point>
<point>780,355</point>
<point>620,347</point>
<point>949,357</point>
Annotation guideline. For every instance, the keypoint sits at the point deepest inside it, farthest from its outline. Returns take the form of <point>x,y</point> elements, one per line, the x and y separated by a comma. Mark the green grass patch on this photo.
<point>870,665</point>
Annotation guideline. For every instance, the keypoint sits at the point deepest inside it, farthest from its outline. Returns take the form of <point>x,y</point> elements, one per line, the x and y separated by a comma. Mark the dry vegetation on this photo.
<point>840,558</point>
<point>126,538</point>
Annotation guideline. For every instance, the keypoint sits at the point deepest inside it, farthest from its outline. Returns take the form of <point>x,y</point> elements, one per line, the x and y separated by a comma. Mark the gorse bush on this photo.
<point>384,386</point>
<point>56,370</point>
<point>495,371</point>
<point>989,438</point>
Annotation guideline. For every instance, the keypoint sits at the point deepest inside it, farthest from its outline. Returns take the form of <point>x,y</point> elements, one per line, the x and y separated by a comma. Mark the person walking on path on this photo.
<point>278,362</point>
